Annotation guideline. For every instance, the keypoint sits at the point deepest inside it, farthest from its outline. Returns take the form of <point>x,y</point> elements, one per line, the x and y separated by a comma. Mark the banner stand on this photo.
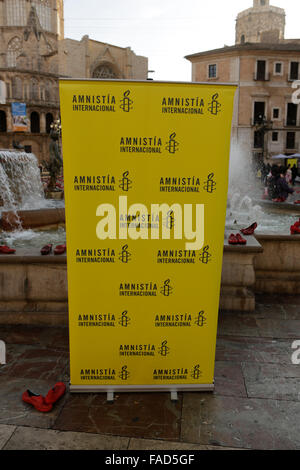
<point>147,388</point>
<point>146,180</point>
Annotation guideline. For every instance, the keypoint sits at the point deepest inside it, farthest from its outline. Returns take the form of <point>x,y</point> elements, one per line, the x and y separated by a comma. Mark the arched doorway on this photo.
<point>35,122</point>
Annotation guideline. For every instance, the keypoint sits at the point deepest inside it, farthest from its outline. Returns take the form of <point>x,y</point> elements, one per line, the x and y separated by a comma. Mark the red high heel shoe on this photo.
<point>240,239</point>
<point>37,401</point>
<point>55,393</point>
<point>46,250</point>
<point>5,250</point>
<point>249,230</point>
<point>60,249</point>
<point>232,240</point>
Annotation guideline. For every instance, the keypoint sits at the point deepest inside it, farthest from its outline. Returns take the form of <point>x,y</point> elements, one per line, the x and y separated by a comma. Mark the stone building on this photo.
<point>34,54</point>
<point>264,65</point>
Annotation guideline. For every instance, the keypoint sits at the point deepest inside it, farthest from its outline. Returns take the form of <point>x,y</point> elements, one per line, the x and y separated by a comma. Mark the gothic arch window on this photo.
<point>16,13</point>
<point>14,49</point>
<point>35,122</point>
<point>34,90</point>
<point>3,125</point>
<point>242,39</point>
<point>17,88</point>
<point>43,9</point>
<point>104,71</point>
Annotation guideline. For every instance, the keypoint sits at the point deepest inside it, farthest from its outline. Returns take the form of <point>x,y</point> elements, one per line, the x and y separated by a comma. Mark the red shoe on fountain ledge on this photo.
<point>249,230</point>
<point>295,229</point>
<point>60,249</point>
<point>46,250</point>
<point>5,250</point>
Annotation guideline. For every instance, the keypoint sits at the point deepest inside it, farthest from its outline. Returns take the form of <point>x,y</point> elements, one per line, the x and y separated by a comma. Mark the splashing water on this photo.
<point>20,181</point>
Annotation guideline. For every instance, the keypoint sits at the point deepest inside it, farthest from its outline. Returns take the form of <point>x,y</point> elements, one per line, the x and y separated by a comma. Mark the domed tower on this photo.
<point>261,23</point>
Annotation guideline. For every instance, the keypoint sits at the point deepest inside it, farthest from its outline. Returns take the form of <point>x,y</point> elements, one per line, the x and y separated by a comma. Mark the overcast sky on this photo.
<point>165,30</point>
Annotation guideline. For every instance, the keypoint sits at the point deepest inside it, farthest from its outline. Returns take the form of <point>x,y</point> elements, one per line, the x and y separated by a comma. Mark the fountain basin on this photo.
<point>277,269</point>
<point>29,219</point>
<point>33,288</point>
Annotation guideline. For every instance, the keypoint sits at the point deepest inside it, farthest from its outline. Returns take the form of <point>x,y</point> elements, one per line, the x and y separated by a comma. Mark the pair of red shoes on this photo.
<point>58,250</point>
<point>5,250</point>
<point>45,404</point>
<point>236,239</point>
<point>295,228</point>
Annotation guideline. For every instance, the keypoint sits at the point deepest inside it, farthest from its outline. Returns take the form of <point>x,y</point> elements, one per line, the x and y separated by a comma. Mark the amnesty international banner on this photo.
<point>146,175</point>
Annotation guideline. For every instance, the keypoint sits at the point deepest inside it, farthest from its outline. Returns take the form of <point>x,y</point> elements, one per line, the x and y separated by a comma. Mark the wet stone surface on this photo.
<point>255,404</point>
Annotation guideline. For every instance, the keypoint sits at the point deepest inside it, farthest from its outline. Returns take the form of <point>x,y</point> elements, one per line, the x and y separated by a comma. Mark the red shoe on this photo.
<point>240,239</point>
<point>60,249</point>
<point>37,401</point>
<point>295,230</point>
<point>232,240</point>
<point>5,250</point>
<point>55,393</point>
<point>249,230</point>
<point>46,250</point>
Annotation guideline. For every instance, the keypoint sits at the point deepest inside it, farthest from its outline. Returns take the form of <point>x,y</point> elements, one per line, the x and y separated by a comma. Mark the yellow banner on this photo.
<point>146,175</point>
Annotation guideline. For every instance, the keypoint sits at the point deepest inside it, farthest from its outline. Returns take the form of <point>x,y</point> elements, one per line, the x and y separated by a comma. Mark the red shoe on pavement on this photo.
<point>37,401</point>
<point>249,230</point>
<point>5,250</point>
<point>55,393</point>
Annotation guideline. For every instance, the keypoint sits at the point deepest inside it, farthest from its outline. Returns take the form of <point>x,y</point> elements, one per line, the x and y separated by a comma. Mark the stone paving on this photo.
<point>255,405</point>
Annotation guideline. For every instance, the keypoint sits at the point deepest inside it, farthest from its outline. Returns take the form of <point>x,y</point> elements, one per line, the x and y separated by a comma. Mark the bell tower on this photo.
<point>261,23</point>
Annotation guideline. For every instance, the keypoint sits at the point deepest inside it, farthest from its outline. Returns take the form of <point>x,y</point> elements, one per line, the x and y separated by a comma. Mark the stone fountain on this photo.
<point>22,199</point>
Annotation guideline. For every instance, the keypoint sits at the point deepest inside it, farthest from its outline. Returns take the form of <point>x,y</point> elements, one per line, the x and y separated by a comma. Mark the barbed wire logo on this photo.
<point>125,256</point>
<point>166,289</point>
<point>124,374</point>
<point>126,102</point>
<point>205,256</point>
<point>172,145</point>
<point>214,105</point>
<point>196,373</point>
<point>201,319</point>
<point>210,184</point>
<point>164,350</point>
<point>170,220</point>
<point>125,182</point>
<point>124,320</point>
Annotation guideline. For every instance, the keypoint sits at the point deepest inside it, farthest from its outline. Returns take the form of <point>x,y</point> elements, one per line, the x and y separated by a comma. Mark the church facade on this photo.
<point>33,55</point>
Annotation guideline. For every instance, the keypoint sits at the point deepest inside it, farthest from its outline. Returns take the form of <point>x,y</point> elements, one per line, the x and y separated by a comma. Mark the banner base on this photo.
<point>173,390</point>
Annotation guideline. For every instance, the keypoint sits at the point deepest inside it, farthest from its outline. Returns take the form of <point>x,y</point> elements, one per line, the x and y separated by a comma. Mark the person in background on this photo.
<point>288,175</point>
<point>294,174</point>
<point>282,186</point>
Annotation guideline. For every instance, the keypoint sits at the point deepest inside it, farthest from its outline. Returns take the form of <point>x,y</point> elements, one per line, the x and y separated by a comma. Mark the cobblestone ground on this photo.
<point>255,405</point>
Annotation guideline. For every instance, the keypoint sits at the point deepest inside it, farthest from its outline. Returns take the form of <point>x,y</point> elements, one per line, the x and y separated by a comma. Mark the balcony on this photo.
<point>260,77</point>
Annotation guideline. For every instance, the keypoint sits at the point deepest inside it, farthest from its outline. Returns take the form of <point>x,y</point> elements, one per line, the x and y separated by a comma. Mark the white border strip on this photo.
<point>142,388</point>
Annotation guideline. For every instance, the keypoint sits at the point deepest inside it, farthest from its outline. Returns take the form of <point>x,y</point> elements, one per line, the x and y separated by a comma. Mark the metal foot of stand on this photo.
<point>110,397</point>
<point>174,396</point>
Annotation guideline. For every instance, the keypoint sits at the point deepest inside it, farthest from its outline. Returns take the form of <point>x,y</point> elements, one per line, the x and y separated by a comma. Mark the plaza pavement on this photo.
<point>255,405</point>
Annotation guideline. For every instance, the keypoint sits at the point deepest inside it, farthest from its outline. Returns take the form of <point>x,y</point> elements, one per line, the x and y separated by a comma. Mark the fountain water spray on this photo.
<point>20,181</point>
